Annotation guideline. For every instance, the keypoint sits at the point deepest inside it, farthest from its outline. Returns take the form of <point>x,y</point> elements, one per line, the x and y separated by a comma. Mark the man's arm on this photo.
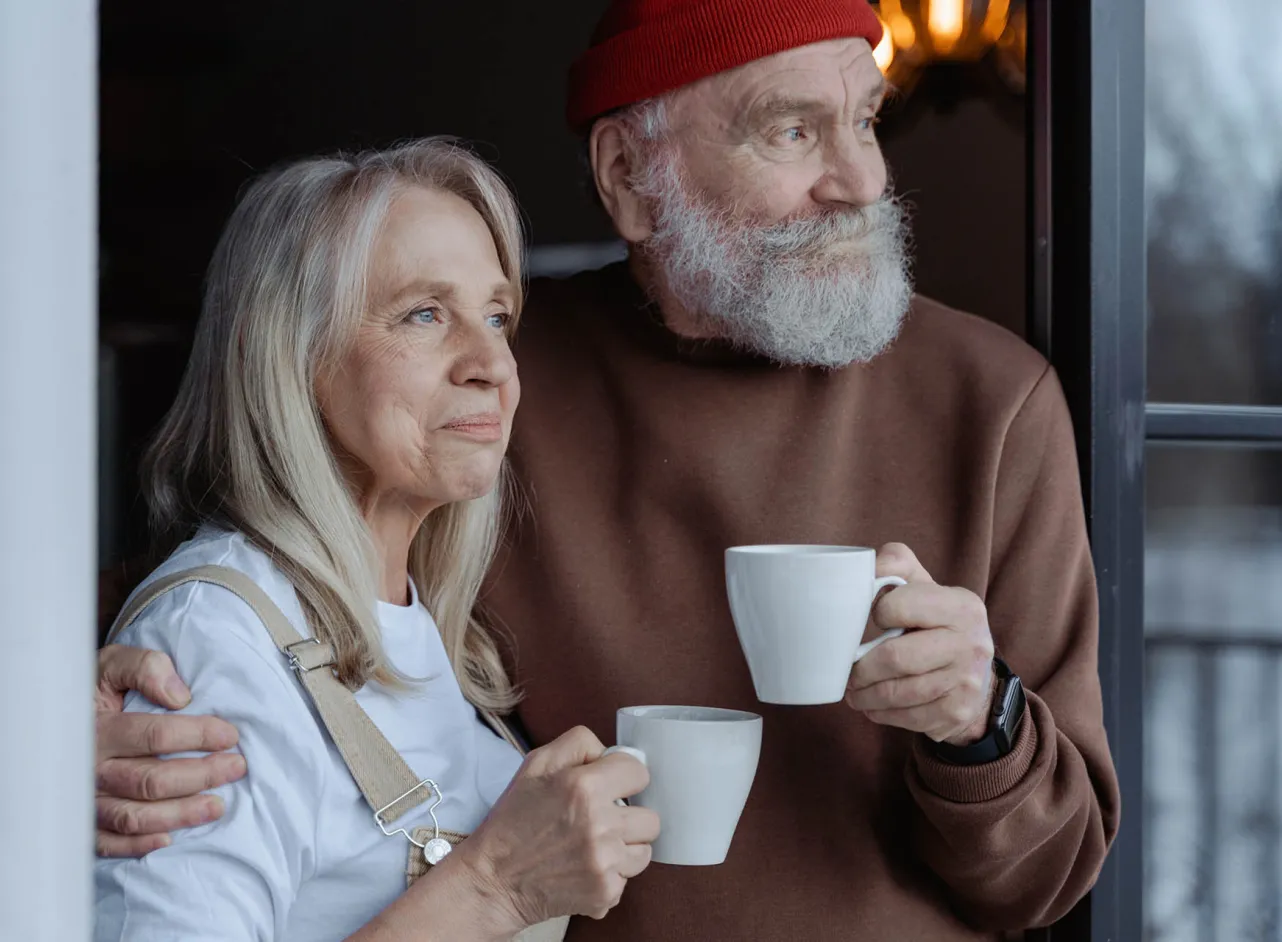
<point>238,877</point>
<point>1020,840</point>
<point>142,798</point>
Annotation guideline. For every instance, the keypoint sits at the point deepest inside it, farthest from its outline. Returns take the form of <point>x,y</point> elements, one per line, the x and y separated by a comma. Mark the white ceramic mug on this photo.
<point>702,762</point>
<point>800,612</point>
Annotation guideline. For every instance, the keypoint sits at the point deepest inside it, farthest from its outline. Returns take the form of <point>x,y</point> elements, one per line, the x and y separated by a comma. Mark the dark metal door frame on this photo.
<point>1087,303</point>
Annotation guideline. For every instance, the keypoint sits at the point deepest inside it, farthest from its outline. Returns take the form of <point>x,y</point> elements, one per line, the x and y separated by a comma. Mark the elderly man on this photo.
<point>760,371</point>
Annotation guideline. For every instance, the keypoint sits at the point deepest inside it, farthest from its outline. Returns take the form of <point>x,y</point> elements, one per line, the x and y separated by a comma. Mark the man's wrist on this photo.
<point>978,728</point>
<point>979,782</point>
<point>1003,721</point>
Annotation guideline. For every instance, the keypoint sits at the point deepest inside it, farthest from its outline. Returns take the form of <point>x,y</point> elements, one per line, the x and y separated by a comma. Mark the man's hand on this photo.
<point>937,678</point>
<point>140,797</point>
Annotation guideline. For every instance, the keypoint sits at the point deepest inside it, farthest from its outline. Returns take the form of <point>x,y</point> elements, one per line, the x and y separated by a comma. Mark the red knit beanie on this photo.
<point>644,48</point>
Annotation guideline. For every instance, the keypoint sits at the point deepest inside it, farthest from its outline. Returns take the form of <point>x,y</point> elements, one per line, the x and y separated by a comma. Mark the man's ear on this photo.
<point>611,152</point>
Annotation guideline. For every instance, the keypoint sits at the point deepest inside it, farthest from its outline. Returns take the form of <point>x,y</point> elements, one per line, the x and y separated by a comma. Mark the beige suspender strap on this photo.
<point>388,784</point>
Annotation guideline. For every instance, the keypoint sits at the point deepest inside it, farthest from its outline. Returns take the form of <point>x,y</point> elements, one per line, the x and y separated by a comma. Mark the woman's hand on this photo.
<point>557,843</point>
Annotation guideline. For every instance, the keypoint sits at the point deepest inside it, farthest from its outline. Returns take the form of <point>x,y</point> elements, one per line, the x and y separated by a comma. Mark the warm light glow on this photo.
<point>923,32</point>
<point>947,21</point>
<point>901,27</point>
<point>884,54</point>
<point>995,20</point>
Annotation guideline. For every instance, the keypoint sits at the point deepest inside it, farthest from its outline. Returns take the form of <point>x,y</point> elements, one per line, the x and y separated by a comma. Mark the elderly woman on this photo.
<point>338,444</point>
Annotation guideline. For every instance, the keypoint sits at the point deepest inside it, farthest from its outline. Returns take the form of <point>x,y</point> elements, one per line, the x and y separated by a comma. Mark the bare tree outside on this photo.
<point>1213,583</point>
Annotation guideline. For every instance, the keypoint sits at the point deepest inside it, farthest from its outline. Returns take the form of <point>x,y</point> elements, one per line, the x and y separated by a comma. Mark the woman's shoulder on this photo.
<point>215,546</point>
<point>204,617</point>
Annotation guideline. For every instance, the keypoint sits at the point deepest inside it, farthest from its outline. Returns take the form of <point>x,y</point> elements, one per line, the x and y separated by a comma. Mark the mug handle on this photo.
<point>627,751</point>
<point>863,650</point>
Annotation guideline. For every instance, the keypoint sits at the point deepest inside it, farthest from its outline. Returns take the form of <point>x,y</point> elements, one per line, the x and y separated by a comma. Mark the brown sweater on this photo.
<point>643,457</point>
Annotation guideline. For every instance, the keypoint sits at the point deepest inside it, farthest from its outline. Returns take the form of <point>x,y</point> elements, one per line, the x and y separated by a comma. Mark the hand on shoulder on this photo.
<point>141,798</point>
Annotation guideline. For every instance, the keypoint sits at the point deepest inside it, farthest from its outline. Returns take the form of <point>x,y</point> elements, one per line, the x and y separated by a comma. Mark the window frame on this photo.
<point>1087,298</point>
<point>1087,304</point>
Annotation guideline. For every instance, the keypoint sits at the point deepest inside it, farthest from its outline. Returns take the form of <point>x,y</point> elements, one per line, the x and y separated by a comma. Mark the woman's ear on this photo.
<point>612,156</point>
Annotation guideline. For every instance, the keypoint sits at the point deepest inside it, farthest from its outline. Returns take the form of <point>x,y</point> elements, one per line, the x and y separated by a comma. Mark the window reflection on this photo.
<point>1214,196</point>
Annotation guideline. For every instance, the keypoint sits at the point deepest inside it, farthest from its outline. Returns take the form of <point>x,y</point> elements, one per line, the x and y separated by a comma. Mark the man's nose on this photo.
<point>854,173</point>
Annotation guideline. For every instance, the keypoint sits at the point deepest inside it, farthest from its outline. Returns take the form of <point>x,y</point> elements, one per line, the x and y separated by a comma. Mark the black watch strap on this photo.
<point>1003,723</point>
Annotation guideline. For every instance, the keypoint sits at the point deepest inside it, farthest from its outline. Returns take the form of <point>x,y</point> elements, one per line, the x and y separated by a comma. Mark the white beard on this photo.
<point>823,291</point>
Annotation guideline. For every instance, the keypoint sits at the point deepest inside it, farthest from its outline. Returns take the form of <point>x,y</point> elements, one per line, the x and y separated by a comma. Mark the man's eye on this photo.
<point>868,124</point>
<point>794,135</point>
<point>499,321</point>
<point>425,315</point>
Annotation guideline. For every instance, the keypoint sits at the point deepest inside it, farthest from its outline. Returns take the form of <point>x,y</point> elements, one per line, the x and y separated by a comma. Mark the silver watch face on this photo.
<point>1006,722</point>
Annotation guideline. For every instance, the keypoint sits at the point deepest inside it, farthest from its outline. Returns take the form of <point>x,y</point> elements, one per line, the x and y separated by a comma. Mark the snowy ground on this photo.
<point>1213,730</point>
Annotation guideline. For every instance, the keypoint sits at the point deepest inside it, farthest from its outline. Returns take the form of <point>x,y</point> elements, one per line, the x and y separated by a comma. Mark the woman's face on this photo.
<point>419,407</point>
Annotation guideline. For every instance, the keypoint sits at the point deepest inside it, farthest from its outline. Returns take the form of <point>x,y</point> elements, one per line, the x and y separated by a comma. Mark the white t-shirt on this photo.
<point>297,855</point>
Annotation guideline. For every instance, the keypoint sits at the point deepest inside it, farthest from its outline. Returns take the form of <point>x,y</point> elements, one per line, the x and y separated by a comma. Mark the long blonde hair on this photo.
<point>244,444</point>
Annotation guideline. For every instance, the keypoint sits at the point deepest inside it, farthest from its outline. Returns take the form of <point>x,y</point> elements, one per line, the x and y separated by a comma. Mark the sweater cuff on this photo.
<point>971,784</point>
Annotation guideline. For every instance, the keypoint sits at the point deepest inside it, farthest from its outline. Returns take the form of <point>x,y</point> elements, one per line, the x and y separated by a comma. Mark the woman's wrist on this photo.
<point>466,884</point>
<point>456,901</point>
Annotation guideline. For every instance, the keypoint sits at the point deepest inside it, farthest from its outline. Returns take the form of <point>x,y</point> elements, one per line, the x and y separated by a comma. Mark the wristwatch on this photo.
<point>1003,723</point>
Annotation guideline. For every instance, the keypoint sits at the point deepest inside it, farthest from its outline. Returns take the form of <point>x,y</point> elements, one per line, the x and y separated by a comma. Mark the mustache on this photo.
<point>865,228</point>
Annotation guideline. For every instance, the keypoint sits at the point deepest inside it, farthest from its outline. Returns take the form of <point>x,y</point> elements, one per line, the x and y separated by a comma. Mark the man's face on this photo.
<point>768,220</point>
<point>788,136</point>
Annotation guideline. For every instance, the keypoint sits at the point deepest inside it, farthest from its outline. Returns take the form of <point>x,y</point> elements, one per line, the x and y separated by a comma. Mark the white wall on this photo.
<point>48,342</point>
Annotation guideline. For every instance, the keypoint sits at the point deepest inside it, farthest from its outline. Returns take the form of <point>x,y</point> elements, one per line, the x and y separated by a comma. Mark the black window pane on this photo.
<point>1213,713</point>
<point>1214,188</point>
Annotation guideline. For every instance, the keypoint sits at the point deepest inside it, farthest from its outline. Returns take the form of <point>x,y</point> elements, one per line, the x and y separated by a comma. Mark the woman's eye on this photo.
<point>425,315</point>
<point>499,321</point>
<point>868,124</point>
<point>794,135</point>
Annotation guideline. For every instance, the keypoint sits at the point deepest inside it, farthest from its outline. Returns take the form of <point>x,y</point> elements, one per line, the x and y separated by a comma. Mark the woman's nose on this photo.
<point>485,359</point>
